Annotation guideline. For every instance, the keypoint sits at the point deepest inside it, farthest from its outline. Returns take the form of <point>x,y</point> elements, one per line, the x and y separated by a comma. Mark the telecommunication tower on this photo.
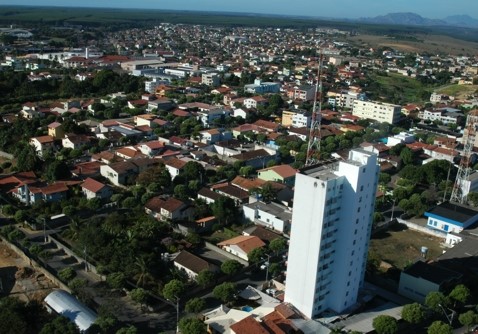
<point>313,146</point>
<point>464,169</point>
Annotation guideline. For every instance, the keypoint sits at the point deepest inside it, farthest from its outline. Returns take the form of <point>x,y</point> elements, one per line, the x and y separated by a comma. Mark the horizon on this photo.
<point>366,8</point>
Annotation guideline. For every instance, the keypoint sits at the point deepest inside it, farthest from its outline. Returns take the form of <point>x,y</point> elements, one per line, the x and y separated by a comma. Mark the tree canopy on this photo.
<point>385,324</point>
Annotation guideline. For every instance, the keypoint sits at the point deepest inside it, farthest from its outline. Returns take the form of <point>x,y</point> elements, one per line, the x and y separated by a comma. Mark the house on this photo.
<point>56,130</point>
<point>237,194</point>
<point>152,148</point>
<point>241,246</point>
<point>421,278</point>
<point>94,189</point>
<point>304,93</point>
<point>174,166</point>
<point>86,169</point>
<point>262,233</point>
<point>254,102</point>
<point>267,125</point>
<point>212,136</point>
<point>37,192</point>
<point>168,209</point>
<point>74,141</point>
<point>208,195</point>
<point>42,144</point>
<point>451,217</point>
<point>256,158</point>
<point>119,173</point>
<point>280,173</point>
<point>271,215</point>
<point>192,264</point>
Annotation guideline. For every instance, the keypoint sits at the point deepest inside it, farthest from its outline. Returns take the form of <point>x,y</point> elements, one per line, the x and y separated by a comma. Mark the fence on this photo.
<point>35,265</point>
<point>226,254</point>
<point>422,229</point>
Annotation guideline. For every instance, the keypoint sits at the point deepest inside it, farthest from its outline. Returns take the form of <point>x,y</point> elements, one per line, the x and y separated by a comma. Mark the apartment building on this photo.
<point>377,111</point>
<point>330,232</point>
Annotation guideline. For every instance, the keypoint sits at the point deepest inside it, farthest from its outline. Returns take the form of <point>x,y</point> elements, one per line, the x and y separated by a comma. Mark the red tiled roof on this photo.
<point>246,243</point>
<point>284,171</point>
<point>44,139</point>
<point>92,185</point>
<point>248,325</point>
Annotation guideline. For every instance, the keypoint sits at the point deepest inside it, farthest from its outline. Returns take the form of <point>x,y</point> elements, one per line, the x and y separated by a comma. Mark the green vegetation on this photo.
<point>396,88</point>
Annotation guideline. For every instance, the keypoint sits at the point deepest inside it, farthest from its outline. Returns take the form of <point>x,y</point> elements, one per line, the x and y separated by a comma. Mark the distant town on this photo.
<point>195,178</point>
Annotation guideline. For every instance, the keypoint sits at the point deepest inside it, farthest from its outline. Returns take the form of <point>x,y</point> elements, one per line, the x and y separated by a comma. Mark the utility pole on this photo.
<point>177,313</point>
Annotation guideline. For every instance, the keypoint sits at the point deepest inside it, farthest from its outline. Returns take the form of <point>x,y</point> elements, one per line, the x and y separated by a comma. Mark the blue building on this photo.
<point>451,217</point>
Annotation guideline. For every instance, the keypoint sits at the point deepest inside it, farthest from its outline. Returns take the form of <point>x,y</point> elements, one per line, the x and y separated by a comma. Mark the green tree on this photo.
<point>139,295</point>
<point>439,327</point>
<point>473,198</point>
<point>57,170</point>
<point>385,324</point>
<point>116,280</point>
<point>192,326</point>
<point>460,294</point>
<point>256,255</point>
<point>468,319</point>
<point>127,330</point>
<point>413,313</point>
<point>181,192</point>
<point>278,245</point>
<point>20,216</point>
<point>225,291</point>
<point>173,289</point>
<point>195,305</point>
<point>205,278</point>
<point>434,299</point>
<point>67,274</point>
<point>60,325</point>
<point>231,267</point>
<point>225,210</point>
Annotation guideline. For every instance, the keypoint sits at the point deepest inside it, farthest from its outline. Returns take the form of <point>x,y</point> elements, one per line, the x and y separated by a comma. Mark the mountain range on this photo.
<point>465,21</point>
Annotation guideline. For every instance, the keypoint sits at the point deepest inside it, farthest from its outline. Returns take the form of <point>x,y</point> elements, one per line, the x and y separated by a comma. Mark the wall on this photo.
<point>226,254</point>
<point>422,229</point>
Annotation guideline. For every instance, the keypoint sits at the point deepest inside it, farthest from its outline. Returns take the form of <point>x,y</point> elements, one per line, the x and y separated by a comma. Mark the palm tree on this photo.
<point>142,276</point>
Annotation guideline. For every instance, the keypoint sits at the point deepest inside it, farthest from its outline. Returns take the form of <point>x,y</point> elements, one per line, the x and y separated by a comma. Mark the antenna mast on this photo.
<point>469,135</point>
<point>313,146</point>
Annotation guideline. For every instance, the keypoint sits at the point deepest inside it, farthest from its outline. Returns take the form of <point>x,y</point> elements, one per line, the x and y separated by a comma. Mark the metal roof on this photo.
<point>68,306</point>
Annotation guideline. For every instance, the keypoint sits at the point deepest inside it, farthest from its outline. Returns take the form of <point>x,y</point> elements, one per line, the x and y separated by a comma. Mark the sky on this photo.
<point>331,8</point>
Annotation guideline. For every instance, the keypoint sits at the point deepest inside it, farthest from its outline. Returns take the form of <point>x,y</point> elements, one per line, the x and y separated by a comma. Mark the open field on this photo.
<point>400,246</point>
<point>432,43</point>
<point>19,279</point>
<point>458,91</point>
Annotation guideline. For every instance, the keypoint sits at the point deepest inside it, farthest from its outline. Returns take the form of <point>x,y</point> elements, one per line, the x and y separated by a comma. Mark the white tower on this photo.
<point>331,226</point>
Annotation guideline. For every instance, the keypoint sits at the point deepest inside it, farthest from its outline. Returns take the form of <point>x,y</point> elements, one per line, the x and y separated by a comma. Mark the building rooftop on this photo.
<point>431,272</point>
<point>453,211</point>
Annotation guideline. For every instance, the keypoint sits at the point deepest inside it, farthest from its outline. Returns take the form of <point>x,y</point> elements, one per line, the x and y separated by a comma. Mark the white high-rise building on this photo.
<point>330,233</point>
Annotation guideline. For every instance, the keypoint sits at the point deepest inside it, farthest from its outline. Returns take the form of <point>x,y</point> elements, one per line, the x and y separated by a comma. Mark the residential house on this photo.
<point>256,158</point>
<point>75,141</point>
<point>119,173</point>
<point>241,246</point>
<point>259,87</point>
<point>174,166</point>
<point>271,215</point>
<point>207,117</point>
<point>95,189</point>
<point>304,93</point>
<point>192,264</point>
<point>42,144</point>
<point>280,173</point>
<point>152,148</point>
<point>56,130</point>
<point>267,125</point>
<point>226,189</point>
<point>168,209</point>
<point>212,136</point>
<point>208,195</point>
<point>254,102</point>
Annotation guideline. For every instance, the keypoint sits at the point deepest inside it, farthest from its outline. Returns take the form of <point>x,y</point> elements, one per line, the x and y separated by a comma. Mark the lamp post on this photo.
<point>450,320</point>
<point>177,313</point>
<point>393,209</point>
<point>267,269</point>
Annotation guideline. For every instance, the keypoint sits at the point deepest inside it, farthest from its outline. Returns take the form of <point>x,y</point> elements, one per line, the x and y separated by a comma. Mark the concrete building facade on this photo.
<point>331,226</point>
<point>378,111</point>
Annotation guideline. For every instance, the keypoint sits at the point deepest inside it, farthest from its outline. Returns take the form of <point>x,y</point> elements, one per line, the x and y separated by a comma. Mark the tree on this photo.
<point>385,324</point>
<point>231,267</point>
<point>256,255</point>
<point>468,319</point>
<point>278,245</point>
<point>473,198</point>
<point>57,170</point>
<point>195,305</point>
<point>67,274</point>
<point>439,327</point>
<point>192,326</point>
<point>460,293</point>
<point>127,330</point>
<point>181,192</point>
<point>60,325</point>
<point>225,291</point>
<point>413,313</point>
<point>225,210</point>
<point>116,280</point>
<point>434,299</point>
<point>205,278</point>
<point>173,289</point>
<point>139,295</point>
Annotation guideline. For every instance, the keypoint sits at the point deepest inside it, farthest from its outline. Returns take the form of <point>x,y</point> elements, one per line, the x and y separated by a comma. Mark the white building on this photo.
<point>210,79</point>
<point>378,111</point>
<point>331,225</point>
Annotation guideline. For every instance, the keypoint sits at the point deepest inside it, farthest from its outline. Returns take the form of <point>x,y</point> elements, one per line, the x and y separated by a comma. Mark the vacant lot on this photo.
<point>434,44</point>
<point>458,91</point>
<point>400,246</point>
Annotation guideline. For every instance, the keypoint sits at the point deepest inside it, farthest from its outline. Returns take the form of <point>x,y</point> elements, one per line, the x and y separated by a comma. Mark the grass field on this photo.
<point>458,91</point>
<point>432,43</point>
<point>400,247</point>
<point>405,89</point>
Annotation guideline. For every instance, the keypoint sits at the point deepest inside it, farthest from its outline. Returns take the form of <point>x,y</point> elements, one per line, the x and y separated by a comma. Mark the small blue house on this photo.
<point>451,217</point>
